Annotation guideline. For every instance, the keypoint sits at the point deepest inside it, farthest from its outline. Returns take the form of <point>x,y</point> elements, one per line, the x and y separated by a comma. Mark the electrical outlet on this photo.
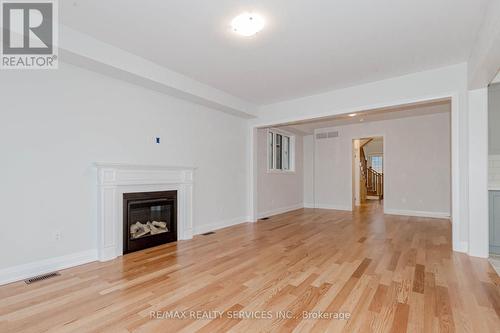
<point>57,235</point>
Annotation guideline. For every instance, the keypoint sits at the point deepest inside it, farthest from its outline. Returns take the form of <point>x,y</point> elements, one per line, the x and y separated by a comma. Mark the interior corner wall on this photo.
<point>55,124</point>
<point>417,165</point>
<point>278,192</point>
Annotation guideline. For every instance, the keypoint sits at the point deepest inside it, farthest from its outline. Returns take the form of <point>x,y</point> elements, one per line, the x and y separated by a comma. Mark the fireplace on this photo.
<point>149,219</point>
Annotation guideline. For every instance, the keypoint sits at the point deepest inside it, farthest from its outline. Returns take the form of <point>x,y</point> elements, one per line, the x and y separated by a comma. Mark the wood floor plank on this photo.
<point>445,315</point>
<point>378,298</point>
<point>361,268</point>
<point>400,322</point>
<point>418,281</point>
<point>387,272</point>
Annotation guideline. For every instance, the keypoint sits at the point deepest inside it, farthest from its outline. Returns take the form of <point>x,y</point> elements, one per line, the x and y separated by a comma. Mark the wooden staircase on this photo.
<point>372,180</point>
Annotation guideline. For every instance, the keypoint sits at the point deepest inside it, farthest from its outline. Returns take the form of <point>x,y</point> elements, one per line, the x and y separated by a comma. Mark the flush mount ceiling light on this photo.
<point>352,115</point>
<point>247,24</point>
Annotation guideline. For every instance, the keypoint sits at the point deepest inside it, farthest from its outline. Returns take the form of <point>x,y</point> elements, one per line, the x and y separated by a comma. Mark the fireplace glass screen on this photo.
<point>149,219</point>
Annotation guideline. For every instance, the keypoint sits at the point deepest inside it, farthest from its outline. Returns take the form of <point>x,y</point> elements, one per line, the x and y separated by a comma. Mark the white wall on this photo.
<point>308,165</point>
<point>478,173</point>
<point>332,170</point>
<point>417,165</point>
<point>56,124</point>
<point>278,192</point>
<point>356,172</point>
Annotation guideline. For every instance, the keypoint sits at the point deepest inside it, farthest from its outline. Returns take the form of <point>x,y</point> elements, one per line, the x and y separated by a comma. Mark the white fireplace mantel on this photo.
<point>113,180</point>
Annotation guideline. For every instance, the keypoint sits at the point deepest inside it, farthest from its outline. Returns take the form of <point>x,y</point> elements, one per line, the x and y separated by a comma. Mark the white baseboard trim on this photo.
<point>333,207</point>
<point>223,224</point>
<point>281,210</point>
<point>308,205</point>
<point>462,247</point>
<point>21,272</point>
<point>418,213</point>
<point>479,254</point>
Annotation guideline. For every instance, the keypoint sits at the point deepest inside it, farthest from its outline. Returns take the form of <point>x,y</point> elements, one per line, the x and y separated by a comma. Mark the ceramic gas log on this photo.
<point>139,229</point>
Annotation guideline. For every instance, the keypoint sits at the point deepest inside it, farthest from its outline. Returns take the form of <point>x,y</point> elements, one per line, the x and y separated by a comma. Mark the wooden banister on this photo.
<point>373,180</point>
<point>366,142</point>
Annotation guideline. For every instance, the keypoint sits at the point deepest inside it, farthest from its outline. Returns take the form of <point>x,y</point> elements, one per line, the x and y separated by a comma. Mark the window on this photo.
<point>270,149</point>
<point>280,154</point>
<point>377,163</point>
<point>278,163</point>
<point>286,153</point>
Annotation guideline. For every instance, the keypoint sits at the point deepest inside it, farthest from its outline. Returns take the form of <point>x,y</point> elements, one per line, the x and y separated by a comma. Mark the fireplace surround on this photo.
<point>115,180</point>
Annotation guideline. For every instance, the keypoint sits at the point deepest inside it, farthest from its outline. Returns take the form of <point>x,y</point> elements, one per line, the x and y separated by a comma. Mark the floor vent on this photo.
<point>208,233</point>
<point>41,277</point>
<point>264,218</point>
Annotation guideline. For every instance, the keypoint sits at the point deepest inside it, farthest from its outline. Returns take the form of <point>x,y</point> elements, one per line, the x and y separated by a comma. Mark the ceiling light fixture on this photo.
<point>247,24</point>
<point>352,115</point>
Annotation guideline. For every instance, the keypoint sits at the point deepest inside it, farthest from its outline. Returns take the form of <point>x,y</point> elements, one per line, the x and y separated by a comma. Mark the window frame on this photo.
<point>377,155</point>
<point>271,165</point>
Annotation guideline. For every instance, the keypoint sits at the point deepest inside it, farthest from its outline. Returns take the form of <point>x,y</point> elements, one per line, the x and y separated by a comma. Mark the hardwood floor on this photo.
<point>389,273</point>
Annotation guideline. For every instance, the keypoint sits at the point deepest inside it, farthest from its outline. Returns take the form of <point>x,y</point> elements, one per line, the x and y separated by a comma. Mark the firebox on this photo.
<point>149,219</point>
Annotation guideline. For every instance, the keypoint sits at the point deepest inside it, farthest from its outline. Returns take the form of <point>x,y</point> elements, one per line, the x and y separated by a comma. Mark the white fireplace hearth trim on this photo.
<point>113,180</point>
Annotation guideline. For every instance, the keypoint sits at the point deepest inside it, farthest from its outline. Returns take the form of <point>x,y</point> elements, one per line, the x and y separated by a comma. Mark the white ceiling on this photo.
<point>307,46</point>
<point>308,127</point>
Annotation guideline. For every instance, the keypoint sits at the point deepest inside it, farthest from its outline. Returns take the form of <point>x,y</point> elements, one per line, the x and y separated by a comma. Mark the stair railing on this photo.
<point>375,182</point>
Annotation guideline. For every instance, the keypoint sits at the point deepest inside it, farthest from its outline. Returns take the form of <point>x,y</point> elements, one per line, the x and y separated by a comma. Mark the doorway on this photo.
<point>368,170</point>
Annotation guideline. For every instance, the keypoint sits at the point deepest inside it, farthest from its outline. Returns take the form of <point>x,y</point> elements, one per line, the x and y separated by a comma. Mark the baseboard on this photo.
<point>418,213</point>
<point>223,224</point>
<point>333,207</point>
<point>281,210</point>
<point>479,254</point>
<point>21,272</point>
<point>308,205</point>
<point>462,247</point>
